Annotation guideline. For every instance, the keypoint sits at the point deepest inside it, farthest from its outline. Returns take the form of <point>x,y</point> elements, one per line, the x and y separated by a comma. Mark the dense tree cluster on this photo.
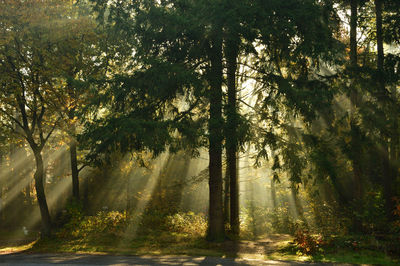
<point>310,88</point>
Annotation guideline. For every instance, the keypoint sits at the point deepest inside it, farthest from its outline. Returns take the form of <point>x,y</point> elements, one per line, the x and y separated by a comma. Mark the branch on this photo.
<point>21,99</point>
<point>182,114</point>
<point>248,105</point>
<point>81,168</point>
<point>13,129</point>
<point>19,50</point>
<point>44,140</point>
<point>12,118</point>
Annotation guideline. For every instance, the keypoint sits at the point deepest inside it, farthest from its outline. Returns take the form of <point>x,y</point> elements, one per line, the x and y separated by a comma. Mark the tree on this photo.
<point>174,43</point>
<point>389,148</point>
<point>32,93</point>
<point>295,92</point>
<point>232,43</point>
<point>354,129</point>
<point>216,221</point>
<point>80,53</point>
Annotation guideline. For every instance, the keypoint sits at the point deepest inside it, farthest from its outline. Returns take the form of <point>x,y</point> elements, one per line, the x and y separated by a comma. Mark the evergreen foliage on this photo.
<point>308,89</point>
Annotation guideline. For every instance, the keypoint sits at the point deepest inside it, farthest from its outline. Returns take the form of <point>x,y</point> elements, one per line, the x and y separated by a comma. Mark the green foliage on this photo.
<point>113,224</point>
<point>103,224</point>
<point>187,223</point>
<point>327,218</point>
<point>257,221</point>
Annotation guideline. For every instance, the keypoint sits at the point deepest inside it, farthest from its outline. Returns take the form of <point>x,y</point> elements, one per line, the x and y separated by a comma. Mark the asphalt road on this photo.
<point>77,259</point>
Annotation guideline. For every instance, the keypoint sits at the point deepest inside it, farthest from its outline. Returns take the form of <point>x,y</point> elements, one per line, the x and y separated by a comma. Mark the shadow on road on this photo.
<point>83,259</point>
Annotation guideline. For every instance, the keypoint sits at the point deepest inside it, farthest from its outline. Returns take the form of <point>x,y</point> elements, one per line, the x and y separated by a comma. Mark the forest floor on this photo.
<point>278,248</point>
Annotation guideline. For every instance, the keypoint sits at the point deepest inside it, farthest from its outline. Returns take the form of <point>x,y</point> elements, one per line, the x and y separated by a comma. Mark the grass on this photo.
<point>336,252</point>
<point>161,244</point>
<point>14,248</point>
<point>16,241</point>
<point>359,257</point>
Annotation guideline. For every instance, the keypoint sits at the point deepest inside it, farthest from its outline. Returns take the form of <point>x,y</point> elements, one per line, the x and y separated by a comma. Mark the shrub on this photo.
<point>104,223</point>
<point>188,223</point>
<point>307,243</point>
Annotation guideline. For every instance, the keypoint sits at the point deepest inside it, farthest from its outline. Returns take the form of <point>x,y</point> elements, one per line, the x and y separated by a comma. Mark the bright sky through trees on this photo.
<point>214,119</point>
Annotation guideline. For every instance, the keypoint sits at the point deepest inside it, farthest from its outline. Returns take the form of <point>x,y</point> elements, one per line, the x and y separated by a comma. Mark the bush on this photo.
<point>307,243</point>
<point>104,223</point>
<point>188,223</point>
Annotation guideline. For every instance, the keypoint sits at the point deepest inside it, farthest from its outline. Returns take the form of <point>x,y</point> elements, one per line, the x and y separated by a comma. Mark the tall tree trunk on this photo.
<point>74,170</point>
<point>41,197</point>
<point>227,211</point>
<point>231,135</point>
<point>355,133</point>
<point>394,149</point>
<point>216,230</point>
<point>388,173</point>
<point>379,38</point>
<point>353,32</point>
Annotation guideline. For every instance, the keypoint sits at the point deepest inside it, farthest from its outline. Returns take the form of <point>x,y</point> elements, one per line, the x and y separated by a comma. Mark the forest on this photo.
<point>201,127</point>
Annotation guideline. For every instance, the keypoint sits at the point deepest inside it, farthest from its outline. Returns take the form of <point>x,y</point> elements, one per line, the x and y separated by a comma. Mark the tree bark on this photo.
<point>389,173</point>
<point>353,31</point>
<point>74,170</point>
<point>226,197</point>
<point>231,135</point>
<point>44,211</point>
<point>355,134</point>
<point>216,230</point>
<point>379,36</point>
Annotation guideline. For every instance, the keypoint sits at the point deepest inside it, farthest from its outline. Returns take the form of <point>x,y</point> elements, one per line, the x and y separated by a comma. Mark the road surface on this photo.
<point>78,259</point>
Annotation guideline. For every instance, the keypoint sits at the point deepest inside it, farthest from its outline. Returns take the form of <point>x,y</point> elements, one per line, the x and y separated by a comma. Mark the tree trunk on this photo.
<point>41,197</point>
<point>379,36</point>
<point>353,31</point>
<point>226,197</point>
<point>388,173</point>
<point>74,170</point>
<point>355,133</point>
<point>216,230</point>
<point>231,135</point>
